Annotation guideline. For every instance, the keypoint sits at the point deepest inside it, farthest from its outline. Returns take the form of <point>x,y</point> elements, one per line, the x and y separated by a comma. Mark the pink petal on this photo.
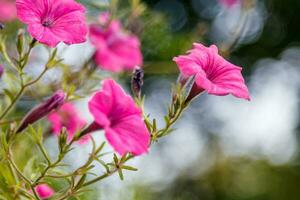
<point>55,120</point>
<point>187,65</point>
<point>127,49</point>
<point>129,135</point>
<point>113,102</point>
<point>99,106</point>
<point>115,50</point>
<point>7,10</point>
<point>68,117</point>
<point>229,3</point>
<point>108,60</point>
<point>29,11</point>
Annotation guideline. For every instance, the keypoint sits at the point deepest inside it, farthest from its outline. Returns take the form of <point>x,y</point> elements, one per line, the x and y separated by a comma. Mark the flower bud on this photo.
<point>42,110</point>
<point>137,81</point>
<point>1,70</point>
<point>20,41</point>
<point>1,26</point>
<point>44,191</point>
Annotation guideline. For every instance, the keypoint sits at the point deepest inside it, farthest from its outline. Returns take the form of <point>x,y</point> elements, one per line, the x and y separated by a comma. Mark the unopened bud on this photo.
<point>63,137</point>
<point>137,81</point>
<point>1,70</point>
<point>42,110</point>
<point>20,41</point>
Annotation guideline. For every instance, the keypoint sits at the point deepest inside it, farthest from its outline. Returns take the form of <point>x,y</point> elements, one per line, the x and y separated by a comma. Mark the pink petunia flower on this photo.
<point>116,113</point>
<point>7,10</point>
<point>229,3</point>
<point>44,191</point>
<point>68,117</point>
<point>115,50</point>
<point>53,21</point>
<point>212,73</point>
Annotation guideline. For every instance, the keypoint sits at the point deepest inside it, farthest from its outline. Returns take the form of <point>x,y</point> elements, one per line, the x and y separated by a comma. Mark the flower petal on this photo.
<point>129,135</point>
<point>187,65</point>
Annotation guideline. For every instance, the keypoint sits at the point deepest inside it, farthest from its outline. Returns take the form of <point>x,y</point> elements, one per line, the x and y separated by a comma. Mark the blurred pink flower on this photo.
<point>44,191</point>
<point>212,72</point>
<point>7,10</point>
<point>229,3</point>
<point>117,114</point>
<point>53,21</point>
<point>68,117</point>
<point>115,50</point>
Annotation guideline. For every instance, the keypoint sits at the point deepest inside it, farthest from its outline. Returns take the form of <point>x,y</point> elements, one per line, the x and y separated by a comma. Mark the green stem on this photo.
<point>14,165</point>
<point>21,91</point>
<point>8,60</point>
<point>25,59</point>
<point>42,149</point>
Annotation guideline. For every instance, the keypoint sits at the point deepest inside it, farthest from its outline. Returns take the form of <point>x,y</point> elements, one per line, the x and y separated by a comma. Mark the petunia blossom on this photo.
<point>44,191</point>
<point>115,50</point>
<point>68,117</point>
<point>228,3</point>
<point>116,113</point>
<point>53,21</point>
<point>212,73</point>
<point>7,10</point>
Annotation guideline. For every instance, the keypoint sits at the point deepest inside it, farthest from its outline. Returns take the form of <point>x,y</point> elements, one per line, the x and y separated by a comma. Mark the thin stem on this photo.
<point>49,166</point>
<point>12,103</point>
<point>14,165</point>
<point>19,94</point>
<point>25,59</point>
<point>99,178</point>
<point>42,149</point>
<point>9,121</point>
<point>8,60</point>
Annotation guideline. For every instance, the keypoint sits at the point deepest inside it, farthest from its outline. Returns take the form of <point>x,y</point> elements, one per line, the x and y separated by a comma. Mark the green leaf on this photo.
<point>116,160</point>
<point>9,94</point>
<point>129,168</point>
<point>121,174</point>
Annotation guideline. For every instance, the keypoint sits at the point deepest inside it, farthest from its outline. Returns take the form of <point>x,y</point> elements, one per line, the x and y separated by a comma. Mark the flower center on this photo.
<point>47,23</point>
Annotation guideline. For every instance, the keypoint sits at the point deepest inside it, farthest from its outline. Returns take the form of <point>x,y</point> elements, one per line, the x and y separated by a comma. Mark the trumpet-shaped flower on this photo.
<point>53,21</point>
<point>68,117</point>
<point>116,113</point>
<point>212,72</point>
<point>115,50</point>
<point>7,10</point>
<point>44,191</point>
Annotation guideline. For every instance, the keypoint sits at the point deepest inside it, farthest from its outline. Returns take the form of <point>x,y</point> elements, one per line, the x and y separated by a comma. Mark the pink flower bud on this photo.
<point>42,110</point>
<point>44,191</point>
<point>1,70</point>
